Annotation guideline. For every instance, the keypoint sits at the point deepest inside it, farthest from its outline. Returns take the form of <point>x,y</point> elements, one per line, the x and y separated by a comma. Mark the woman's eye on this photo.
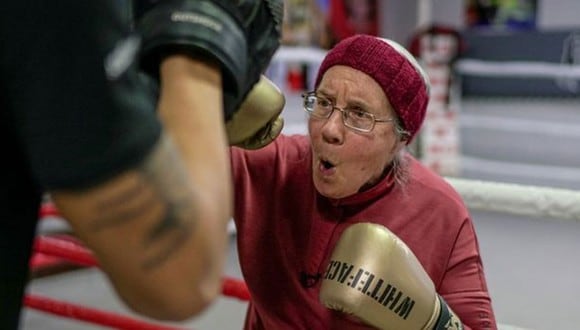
<point>358,113</point>
<point>324,103</point>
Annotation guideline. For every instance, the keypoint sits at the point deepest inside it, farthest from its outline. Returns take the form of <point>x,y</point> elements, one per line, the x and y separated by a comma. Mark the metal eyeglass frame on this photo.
<point>344,113</point>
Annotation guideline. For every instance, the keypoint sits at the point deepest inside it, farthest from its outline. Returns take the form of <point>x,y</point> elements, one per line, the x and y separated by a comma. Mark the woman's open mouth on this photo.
<point>326,167</point>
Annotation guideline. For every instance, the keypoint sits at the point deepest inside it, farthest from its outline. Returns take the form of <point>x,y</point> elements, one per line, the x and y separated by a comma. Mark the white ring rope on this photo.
<point>521,69</point>
<point>553,203</point>
<point>510,198</point>
<point>480,195</point>
<point>524,69</point>
<point>299,54</point>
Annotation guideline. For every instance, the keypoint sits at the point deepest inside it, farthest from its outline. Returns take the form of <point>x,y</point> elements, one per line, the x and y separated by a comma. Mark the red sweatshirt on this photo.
<point>287,231</point>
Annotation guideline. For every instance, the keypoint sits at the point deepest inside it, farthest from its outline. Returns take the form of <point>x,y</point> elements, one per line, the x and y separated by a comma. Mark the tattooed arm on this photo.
<point>159,230</point>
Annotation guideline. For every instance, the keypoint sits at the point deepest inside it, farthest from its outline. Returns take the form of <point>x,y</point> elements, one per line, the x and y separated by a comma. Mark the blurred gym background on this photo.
<point>505,107</point>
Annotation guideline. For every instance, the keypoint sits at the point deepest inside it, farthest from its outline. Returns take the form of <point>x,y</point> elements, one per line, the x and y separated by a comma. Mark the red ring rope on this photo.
<point>48,210</point>
<point>75,252</point>
<point>92,315</point>
<point>66,249</point>
<point>70,249</point>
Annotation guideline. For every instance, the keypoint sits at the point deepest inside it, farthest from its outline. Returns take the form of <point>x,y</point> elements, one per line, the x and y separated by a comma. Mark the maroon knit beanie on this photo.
<point>392,67</point>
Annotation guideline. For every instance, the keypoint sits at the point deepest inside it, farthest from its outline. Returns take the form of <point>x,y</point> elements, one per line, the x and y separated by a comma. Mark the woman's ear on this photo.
<point>405,137</point>
<point>400,144</point>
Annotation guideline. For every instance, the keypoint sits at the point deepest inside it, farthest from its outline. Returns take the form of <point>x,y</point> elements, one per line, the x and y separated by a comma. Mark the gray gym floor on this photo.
<point>531,264</point>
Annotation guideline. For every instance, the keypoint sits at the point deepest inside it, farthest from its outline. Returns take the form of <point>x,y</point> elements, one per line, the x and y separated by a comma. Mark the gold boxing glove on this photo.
<point>374,276</point>
<point>257,122</point>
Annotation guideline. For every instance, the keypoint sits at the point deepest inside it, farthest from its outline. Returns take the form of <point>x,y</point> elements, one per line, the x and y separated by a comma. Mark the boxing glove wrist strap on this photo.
<point>447,319</point>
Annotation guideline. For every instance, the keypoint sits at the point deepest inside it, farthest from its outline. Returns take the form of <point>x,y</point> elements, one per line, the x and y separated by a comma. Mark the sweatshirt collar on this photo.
<point>382,187</point>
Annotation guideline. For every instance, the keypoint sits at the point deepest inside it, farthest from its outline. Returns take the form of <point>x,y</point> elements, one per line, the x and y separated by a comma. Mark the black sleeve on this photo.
<point>78,105</point>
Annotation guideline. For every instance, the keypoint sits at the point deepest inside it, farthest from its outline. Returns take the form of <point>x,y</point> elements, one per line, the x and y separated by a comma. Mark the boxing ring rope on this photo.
<point>523,69</point>
<point>526,200</point>
<point>91,315</point>
<point>478,195</point>
<point>312,57</point>
<point>511,198</point>
<point>74,251</point>
<point>70,249</point>
<point>518,199</point>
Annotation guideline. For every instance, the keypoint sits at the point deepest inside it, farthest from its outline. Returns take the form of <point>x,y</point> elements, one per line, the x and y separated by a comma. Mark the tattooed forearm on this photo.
<point>169,226</point>
<point>160,197</point>
<point>168,176</point>
<point>129,204</point>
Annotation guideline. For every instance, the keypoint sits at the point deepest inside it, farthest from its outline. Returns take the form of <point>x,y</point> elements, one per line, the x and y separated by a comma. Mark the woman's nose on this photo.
<point>333,128</point>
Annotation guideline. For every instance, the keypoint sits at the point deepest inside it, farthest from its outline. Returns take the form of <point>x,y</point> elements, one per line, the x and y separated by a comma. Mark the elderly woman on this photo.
<point>296,198</point>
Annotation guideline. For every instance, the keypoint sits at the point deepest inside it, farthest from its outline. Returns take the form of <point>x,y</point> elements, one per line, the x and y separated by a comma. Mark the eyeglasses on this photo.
<point>354,118</point>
